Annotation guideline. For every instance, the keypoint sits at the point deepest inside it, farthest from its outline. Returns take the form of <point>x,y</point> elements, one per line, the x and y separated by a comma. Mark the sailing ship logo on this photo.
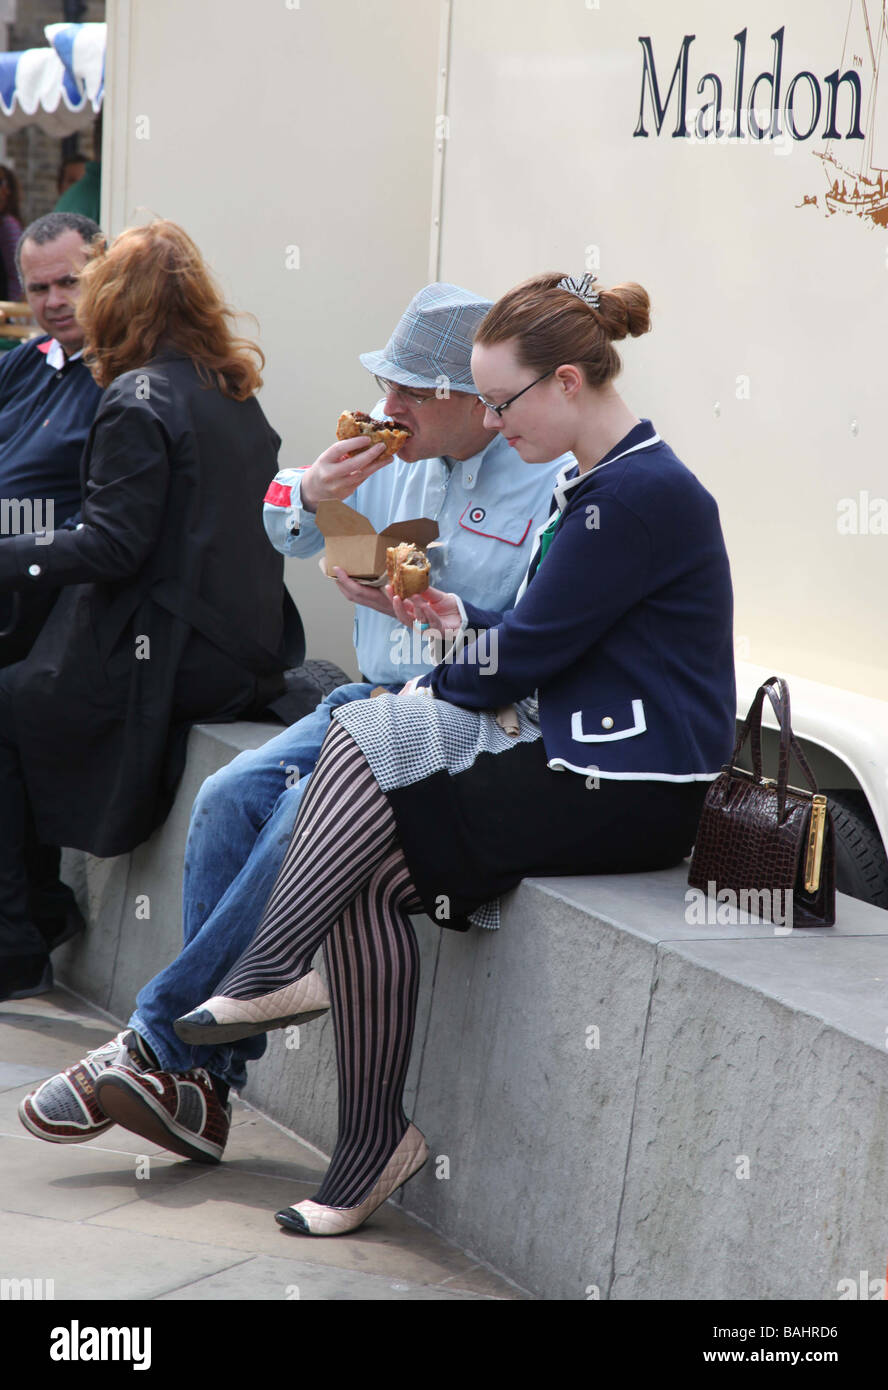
<point>861,189</point>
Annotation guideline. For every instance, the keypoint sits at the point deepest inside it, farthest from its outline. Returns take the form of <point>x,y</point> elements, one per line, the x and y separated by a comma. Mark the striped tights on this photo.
<point>345,884</point>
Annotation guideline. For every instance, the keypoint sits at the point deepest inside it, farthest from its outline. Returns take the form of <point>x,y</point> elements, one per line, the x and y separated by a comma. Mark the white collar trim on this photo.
<point>563,485</point>
<point>56,356</point>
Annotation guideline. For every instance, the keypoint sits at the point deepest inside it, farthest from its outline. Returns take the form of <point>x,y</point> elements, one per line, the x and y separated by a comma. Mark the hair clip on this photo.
<point>582,289</point>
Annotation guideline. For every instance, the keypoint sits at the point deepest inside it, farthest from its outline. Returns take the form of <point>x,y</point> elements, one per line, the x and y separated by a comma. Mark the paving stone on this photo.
<point>238,1209</point>
<point>70,1182</point>
<point>52,1031</point>
<point>290,1280</point>
<point>480,1279</point>
<point>19,1074</point>
<point>258,1145</point>
<point>86,1261</point>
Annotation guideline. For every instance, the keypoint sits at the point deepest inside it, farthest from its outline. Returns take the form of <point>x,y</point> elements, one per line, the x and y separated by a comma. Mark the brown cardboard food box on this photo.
<point>353,545</point>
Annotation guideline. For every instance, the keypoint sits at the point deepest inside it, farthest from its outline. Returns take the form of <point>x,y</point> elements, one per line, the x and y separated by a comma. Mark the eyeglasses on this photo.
<point>498,409</point>
<point>391,388</point>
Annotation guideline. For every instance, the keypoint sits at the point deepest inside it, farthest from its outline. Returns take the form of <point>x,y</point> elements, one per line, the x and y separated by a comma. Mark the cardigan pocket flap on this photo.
<point>619,719</point>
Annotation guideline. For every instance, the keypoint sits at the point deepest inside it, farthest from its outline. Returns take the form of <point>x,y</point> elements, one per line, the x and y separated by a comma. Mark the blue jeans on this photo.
<point>241,824</point>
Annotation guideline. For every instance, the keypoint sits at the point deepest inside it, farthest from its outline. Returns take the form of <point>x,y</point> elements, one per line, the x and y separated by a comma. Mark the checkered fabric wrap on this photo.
<point>408,738</point>
<point>432,340</point>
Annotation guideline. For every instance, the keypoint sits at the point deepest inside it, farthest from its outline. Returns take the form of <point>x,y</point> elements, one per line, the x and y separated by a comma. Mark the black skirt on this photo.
<point>472,837</point>
<point>473,823</point>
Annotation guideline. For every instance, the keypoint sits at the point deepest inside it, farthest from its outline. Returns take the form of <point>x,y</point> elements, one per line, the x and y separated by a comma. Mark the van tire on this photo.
<point>326,675</point>
<point>306,687</point>
<point>861,861</point>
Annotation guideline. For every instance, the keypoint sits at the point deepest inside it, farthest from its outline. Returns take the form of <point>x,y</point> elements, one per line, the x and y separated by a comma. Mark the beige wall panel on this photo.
<point>747,281</point>
<point>262,128</point>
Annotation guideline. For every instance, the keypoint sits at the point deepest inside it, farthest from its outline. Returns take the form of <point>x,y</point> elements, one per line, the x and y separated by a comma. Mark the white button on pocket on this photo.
<point>34,570</point>
<point>631,722</point>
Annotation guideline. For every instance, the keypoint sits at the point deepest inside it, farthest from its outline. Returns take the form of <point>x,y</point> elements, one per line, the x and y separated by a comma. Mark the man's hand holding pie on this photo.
<point>339,470</point>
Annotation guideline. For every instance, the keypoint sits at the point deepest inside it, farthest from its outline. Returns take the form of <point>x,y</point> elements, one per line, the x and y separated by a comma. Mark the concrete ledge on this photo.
<point>618,1104</point>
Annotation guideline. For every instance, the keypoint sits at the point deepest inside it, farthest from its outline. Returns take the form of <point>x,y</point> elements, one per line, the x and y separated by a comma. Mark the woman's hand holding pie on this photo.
<point>435,607</point>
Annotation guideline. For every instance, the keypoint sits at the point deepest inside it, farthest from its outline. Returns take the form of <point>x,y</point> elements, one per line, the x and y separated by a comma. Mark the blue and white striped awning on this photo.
<point>59,88</point>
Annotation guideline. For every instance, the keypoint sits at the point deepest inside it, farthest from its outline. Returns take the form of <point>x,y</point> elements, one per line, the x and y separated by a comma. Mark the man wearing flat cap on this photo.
<point>488,504</point>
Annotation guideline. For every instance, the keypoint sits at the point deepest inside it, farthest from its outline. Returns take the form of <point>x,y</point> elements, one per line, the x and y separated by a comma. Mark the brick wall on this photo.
<point>34,155</point>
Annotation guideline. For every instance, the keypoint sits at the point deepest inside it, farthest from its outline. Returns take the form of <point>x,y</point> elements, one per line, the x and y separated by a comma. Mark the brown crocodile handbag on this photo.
<point>769,844</point>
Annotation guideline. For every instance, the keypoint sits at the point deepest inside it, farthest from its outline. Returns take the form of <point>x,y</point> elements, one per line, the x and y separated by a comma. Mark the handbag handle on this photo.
<point>789,745</point>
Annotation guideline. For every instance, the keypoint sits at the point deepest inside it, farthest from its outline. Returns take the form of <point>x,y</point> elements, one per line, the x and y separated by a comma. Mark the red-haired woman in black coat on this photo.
<point>173,602</point>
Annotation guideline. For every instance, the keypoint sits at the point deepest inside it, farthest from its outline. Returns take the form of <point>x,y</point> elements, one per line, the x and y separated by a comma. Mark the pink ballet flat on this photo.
<point>224,1020</point>
<point>313,1219</point>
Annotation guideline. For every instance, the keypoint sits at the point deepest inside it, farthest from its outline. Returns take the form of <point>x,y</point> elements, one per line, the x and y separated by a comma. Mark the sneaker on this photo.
<point>180,1110</point>
<point>64,1109</point>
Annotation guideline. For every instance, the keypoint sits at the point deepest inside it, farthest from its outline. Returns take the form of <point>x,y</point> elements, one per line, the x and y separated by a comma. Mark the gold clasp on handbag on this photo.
<point>816,831</point>
<point>765,781</point>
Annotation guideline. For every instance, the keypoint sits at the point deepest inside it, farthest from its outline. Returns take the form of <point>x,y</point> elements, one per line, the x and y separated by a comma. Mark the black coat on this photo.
<point>170,546</point>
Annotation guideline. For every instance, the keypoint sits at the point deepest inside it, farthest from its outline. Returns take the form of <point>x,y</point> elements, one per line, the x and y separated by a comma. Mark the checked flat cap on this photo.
<point>433,340</point>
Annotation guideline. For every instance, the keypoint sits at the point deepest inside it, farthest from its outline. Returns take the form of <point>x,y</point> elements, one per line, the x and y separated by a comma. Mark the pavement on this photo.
<point>118,1218</point>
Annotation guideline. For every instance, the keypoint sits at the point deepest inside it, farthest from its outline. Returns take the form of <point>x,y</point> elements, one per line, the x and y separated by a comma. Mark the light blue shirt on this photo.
<point>488,509</point>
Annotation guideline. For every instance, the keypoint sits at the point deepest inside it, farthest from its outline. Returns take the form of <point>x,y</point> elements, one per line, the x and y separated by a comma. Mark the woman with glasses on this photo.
<point>10,232</point>
<point>617,663</point>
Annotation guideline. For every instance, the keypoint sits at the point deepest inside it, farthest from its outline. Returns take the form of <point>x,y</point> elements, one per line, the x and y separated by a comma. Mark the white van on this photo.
<point>728,159</point>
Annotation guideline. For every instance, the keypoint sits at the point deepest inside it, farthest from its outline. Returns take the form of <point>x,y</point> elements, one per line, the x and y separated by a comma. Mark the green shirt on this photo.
<point>85,195</point>
<point>546,538</point>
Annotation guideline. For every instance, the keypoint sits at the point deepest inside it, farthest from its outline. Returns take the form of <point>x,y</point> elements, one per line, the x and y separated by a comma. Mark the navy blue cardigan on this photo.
<point>625,629</point>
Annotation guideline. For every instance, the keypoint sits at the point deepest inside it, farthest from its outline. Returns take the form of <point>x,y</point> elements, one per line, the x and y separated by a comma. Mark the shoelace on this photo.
<point>98,1057</point>
<point>108,1054</point>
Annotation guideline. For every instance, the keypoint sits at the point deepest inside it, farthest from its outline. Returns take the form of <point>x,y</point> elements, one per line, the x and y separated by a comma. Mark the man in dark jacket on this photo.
<point>48,400</point>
